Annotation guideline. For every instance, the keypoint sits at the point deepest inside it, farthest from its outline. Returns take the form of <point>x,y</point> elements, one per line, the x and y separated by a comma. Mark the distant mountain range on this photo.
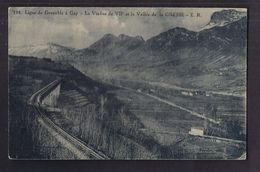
<point>211,59</point>
<point>50,50</point>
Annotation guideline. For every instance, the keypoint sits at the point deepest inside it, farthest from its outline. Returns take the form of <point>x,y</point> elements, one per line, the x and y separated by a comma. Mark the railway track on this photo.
<point>172,104</point>
<point>75,145</point>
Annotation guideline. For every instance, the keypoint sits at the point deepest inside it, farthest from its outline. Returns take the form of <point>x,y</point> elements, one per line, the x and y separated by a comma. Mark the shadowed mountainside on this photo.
<point>211,59</point>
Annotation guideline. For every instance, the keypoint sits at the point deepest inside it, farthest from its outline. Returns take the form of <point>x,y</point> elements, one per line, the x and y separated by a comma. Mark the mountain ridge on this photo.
<point>213,58</point>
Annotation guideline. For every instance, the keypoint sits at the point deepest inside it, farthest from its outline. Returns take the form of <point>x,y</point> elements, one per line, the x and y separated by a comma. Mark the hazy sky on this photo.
<point>80,31</point>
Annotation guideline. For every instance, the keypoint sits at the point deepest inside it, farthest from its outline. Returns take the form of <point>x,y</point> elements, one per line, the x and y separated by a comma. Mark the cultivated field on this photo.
<point>170,125</point>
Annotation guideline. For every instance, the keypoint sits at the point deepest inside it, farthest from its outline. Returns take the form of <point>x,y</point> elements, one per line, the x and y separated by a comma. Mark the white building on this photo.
<point>185,93</point>
<point>196,131</point>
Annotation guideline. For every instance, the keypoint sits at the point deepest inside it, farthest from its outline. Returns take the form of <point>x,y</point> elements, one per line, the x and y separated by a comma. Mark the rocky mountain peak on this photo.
<point>108,36</point>
<point>224,17</point>
<point>227,16</point>
<point>123,36</point>
<point>110,41</point>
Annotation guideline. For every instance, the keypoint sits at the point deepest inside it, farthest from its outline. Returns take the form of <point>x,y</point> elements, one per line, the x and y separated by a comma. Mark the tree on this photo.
<point>234,129</point>
<point>211,110</point>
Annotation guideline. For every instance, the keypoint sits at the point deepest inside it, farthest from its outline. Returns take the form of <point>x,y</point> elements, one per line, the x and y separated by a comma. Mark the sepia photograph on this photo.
<point>127,83</point>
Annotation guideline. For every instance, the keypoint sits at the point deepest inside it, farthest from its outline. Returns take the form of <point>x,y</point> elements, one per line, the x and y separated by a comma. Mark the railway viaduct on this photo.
<point>78,149</point>
<point>51,97</point>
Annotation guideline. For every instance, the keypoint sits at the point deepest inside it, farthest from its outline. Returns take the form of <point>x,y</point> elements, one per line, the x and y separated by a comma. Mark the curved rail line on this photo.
<point>77,146</point>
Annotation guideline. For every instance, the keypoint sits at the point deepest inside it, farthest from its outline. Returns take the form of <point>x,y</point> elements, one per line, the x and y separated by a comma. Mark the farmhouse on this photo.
<point>187,93</point>
<point>196,131</point>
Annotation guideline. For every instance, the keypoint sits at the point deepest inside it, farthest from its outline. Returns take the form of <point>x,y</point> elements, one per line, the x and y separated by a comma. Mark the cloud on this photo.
<point>79,28</point>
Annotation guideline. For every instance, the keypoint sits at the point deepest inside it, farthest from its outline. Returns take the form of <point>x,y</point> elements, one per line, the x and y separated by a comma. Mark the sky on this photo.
<point>80,27</point>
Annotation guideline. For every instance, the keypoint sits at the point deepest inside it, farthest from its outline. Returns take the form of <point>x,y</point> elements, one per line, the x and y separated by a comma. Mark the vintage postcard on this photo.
<point>127,83</point>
